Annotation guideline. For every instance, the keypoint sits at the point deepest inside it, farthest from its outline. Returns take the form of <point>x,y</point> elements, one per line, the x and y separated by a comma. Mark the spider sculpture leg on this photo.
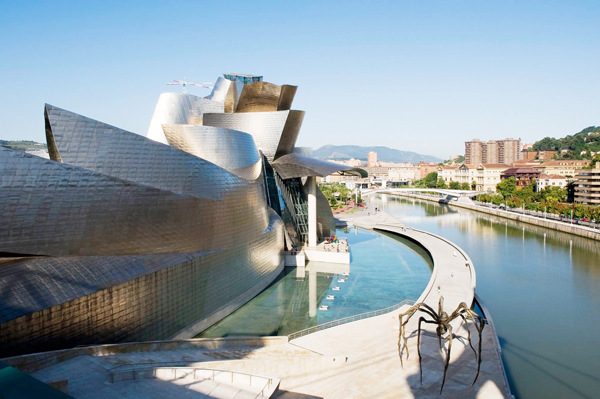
<point>468,334</point>
<point>449,327</point>
<point>402,335</point>
<point>421,319</point>
<point>467,314</point>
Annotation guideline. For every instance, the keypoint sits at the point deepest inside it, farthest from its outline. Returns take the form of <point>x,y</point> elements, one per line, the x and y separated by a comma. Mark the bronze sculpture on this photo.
<point>442,320</point>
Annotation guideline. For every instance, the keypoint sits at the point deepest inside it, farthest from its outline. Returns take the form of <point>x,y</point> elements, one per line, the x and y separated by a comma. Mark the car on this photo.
<point>585,220</point>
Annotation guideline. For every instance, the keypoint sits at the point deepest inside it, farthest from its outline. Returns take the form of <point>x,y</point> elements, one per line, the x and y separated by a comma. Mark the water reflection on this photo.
<point>542,288</point>
<point>384,270</point>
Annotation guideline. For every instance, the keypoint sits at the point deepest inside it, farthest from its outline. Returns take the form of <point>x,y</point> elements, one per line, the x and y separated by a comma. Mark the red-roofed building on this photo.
<point>545,180</point>
<point>524,176</point>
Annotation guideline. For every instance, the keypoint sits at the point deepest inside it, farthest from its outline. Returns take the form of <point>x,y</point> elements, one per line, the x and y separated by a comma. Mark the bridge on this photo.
<point>413,190</point>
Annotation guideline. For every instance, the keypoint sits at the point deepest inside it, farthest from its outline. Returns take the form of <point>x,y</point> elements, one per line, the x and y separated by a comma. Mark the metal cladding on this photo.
<point>93,145</point>
<point>290,133</point>
<point>259,97</point>
<point>59,302</point>
<point>267,128</point>
<point>297,165</point>
<point>50,208</point>
<point>232,150</point>
<point>122,238</point>
<point>286,98</point>
<point>220,90</point>
<point>179,108</point>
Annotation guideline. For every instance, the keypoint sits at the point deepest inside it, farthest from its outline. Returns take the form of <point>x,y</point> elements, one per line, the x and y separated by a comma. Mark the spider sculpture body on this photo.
<point>442,320</point>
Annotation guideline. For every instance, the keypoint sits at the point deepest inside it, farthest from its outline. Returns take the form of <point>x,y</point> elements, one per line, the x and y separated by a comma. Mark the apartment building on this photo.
<point>587,187</point>
<point>523,176</point>
<point>492,152</point>
<point>551,181</point>
<point>473,152</point>
<point>466,173</point>
<point>487,176</point>
<point>372,159</point>
<point>567,168</point>
<point>448,173</point>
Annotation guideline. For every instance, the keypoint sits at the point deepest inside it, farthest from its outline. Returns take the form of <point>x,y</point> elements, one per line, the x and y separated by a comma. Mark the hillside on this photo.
<point>384,154</point>
<point>22,144</point>
<point>586,140</point>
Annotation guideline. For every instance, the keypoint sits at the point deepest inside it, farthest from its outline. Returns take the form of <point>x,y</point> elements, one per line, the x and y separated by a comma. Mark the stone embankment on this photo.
<point>574,229</point>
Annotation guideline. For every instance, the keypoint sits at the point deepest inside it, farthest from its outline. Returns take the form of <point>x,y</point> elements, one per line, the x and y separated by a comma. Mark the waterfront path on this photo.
<point>562,226</point>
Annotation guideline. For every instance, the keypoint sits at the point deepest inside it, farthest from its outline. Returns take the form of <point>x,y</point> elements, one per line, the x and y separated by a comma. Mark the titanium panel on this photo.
<point>267,128</point>
<point>286,97</point>
<point>89,144</point>
<point>290,133</point>
<point>259,97</point>
<point>49,208</point>
<point>232,150</point>
<point>220,90</point>
<point>296,165</point>
<point>57,303</point>
<point>179,108</point>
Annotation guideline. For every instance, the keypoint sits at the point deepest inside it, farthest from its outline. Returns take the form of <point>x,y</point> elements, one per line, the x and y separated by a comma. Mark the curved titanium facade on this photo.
<point>220,90</point>
<point>267,128</point>
<point>286,98</point>
<point>297,165</point>
<point>59,302</point>
<point>259,97</point>
<point>93,145</point>
<point>179,108</point>
<point>66,210</point>
<point>232,150</point>
<point>140,240</point>
<point>123,238</point>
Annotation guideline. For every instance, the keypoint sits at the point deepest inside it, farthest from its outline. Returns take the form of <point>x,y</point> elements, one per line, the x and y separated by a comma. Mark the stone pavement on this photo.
<point>373,369</point>
<point>88,376</point>
<point>367,218</point>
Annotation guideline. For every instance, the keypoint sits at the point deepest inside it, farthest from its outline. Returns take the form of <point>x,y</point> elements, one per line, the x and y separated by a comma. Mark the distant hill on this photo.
<point>384,154</point>
<point>22,144</point>
<point>586,140</point>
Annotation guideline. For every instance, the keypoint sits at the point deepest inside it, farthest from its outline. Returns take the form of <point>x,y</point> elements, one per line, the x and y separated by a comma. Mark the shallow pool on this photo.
<point>384,270</point>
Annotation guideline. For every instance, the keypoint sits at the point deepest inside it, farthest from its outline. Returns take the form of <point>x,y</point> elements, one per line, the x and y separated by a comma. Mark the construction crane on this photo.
<point>184,83</point>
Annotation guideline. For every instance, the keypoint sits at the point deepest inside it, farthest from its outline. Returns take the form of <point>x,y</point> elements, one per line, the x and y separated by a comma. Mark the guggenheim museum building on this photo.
<point>120,237</point>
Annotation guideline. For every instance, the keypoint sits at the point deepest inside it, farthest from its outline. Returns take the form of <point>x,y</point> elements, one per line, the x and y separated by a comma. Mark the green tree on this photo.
<point>430,181</point>
<point>473,185</point>
<point>440,183</point>
<point>454,185</point>
<point>507,187</point>
<point>465,186</point>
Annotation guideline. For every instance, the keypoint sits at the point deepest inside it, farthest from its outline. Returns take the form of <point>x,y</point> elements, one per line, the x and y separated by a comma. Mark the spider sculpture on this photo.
<point>442,320</point>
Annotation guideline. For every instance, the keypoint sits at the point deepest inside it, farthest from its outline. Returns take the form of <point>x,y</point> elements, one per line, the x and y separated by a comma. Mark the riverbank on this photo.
<point>581,231</point>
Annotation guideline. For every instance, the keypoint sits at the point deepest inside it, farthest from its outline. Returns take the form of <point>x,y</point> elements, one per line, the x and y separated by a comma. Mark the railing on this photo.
<point>540,215</point>
<point>350,319</point>
<point>168,371</point>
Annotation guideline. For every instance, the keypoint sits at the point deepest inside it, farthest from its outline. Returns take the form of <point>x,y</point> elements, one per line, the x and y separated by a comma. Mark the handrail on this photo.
<point>349,319</point>
<point>159,365</point>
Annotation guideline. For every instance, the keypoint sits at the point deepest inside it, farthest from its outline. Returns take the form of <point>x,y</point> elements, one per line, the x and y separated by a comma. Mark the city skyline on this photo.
<point>416,77</point>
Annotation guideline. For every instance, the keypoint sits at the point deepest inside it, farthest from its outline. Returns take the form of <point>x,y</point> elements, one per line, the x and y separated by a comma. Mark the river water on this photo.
<point>542,288</point>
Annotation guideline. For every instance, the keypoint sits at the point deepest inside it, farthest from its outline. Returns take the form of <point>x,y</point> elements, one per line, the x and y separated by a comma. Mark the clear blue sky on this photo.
<point>417,75</point>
